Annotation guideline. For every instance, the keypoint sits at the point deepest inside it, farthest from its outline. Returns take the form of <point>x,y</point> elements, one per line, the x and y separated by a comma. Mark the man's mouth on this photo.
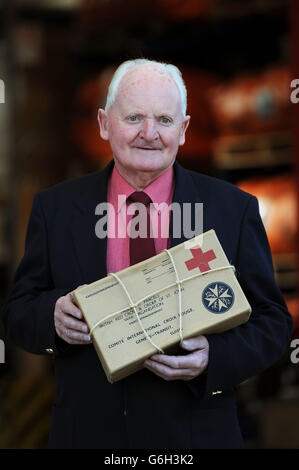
<point>148,148</point>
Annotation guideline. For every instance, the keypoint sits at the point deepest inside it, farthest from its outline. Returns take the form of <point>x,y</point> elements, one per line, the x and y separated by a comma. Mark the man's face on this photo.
<point>145,125</point>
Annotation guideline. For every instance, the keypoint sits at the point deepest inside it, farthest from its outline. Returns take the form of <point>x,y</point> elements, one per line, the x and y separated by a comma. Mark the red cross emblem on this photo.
<point>200,259</point>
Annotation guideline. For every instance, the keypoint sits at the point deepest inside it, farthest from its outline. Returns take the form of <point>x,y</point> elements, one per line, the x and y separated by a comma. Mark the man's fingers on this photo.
<point>72,336</point>
<point>77,312</point>
<point>69,322</point>
<point>168,373</point>
<point>189,361</point>
<point>184,367</point>
<point>77,340</point>
<point>76,336</point>
<point>198,342</point>
<point>73,324</point>
<point>66,305</point>
<point>176,362</point>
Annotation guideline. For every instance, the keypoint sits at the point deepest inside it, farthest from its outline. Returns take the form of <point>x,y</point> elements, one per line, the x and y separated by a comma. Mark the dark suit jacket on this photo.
<point>143,410</point>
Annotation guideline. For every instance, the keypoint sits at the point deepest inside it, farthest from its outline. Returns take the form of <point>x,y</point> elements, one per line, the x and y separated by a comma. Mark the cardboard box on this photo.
<point>211,300</point>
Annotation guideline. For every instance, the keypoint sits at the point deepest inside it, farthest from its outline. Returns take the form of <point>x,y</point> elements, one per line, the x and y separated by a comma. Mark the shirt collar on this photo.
<point>118,186</point>
<point>160,190</point>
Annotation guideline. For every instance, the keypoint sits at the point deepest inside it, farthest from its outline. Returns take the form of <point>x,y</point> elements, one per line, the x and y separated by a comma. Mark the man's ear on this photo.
<point>103,123</point>
<point>184,127</point>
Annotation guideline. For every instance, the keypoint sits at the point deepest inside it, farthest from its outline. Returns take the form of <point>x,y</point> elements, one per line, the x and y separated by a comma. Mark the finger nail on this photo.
<point>87,337</point>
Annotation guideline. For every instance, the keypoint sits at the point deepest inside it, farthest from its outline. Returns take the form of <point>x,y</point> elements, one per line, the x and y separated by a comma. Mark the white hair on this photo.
<point>172,71</point>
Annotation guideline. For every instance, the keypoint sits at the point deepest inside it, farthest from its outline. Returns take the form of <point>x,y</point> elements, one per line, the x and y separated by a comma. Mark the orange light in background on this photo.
<point>90,97</point>
<point>278,209</point>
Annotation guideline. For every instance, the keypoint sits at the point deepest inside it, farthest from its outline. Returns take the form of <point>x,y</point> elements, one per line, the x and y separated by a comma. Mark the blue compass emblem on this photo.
<point>218,297</point>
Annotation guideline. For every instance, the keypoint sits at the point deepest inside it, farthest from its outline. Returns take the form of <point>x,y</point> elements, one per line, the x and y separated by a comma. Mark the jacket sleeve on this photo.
<point>248,349</point>
<point>28,315</point>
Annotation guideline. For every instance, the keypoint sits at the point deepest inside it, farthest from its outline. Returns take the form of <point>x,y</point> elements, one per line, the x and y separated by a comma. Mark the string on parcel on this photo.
<point>133,305</point>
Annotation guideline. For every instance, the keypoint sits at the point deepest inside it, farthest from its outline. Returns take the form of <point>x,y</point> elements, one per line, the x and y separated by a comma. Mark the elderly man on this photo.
<point>175,401</point>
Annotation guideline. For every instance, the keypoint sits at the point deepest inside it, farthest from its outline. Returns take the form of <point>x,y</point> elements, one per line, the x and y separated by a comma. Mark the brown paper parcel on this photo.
<point>210,300</point>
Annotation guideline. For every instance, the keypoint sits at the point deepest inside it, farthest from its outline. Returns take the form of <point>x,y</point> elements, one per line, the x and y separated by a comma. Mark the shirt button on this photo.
<point>125,412</point>
<point>49,351</point>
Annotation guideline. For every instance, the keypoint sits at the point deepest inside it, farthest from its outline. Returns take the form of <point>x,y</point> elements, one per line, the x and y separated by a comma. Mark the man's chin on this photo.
<point>148,167</point>
<point>151,162</point>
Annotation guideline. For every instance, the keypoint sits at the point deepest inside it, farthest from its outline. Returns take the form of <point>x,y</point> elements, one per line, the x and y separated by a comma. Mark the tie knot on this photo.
<point>140,196</point>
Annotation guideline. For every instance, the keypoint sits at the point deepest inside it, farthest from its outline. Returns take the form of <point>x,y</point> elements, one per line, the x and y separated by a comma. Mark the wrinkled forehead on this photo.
<point>149,82</point>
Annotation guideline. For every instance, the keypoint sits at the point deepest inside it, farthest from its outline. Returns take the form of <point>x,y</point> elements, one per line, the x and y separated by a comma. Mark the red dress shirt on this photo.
<point>160,191</point>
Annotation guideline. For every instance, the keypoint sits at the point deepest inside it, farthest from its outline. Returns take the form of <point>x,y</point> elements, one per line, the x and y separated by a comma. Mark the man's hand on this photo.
<point>67,327</point>
<point>182,367</point>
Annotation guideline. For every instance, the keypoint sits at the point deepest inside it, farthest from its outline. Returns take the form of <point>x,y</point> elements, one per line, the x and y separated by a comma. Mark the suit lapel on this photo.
<point>90,251</point>
<point>185,192</point>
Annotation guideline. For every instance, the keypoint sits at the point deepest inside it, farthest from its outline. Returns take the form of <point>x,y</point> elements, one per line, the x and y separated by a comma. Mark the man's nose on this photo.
<point>149,130</point>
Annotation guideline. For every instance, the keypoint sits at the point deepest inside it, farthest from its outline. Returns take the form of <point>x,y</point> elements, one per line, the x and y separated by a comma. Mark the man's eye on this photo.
<point>132,118</point>
<point>165,120</point>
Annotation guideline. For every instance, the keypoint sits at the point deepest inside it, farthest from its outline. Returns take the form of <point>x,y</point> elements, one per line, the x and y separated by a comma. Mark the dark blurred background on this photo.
<point>238,60</point>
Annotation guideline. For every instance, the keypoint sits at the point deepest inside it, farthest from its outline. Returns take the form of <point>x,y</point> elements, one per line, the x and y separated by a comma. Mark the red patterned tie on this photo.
<point>141,248</point>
